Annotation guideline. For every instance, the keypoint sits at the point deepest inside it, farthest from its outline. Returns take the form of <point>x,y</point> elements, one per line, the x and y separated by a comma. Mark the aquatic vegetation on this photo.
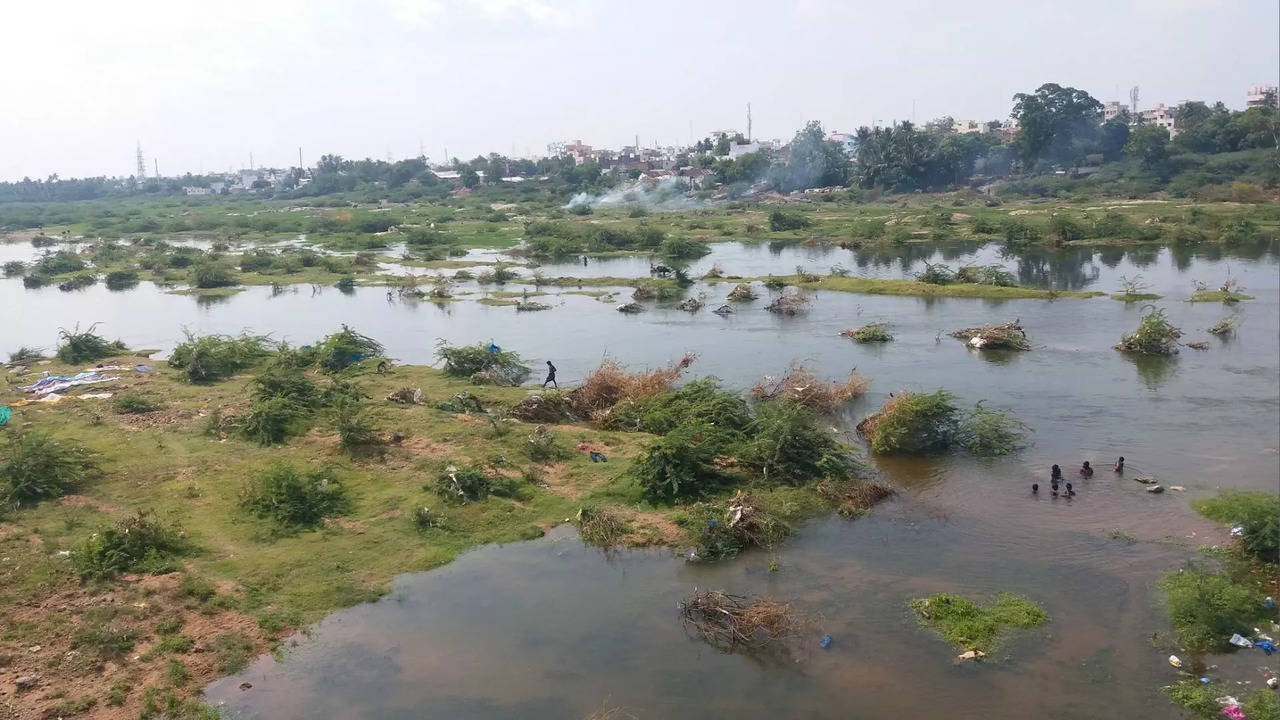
<point>913,423</point>
<point>936,275</point>
<point>775,283</point>
<point>206,358</point>
<point>346,283</point>
<point>1230,292</point>
<point>58,263</point>
<point>78,282</point>
<point>853,498</point>
<point>294,498</point>
<point>471,360</point>
<point>1206,608</point>
<point>1155,335</point>
<point>872,333</point>
<point>601,526</point>
<point>1005,336</point>
<point>1225,326</point>
<point>991,433</point>
<point>742,292</point>
<point>799,385</point>
<point>1134,289</point>
<point>1257,514</point>
<point>14,268</point>
<point>34,467</point>
<point>138,543</point>
<point>134,404</point>
<point>76,347</point>
<point>735,623</point>
<point>970,626</point>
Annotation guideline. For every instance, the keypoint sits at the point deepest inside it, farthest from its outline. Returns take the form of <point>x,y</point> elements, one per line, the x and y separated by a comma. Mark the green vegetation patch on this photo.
<point>971,626</point>
<point>293,498</point>
<point>34,466</point>
<point>1257,514</point>
<point>135,544</point>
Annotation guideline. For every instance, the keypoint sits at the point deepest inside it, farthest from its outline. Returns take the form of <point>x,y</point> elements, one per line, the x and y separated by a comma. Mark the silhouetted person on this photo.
<point>1119,465</point>
<point>1035,488</point>
<point>1086,470</point>
<point>1055,473</point>
<point>1069,492</point>
<point>551,377</point>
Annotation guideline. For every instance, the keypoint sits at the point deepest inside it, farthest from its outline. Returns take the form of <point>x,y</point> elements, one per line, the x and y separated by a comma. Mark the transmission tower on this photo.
<point>748,122</point>
<point>142,164</point>
<point>1133,102</point>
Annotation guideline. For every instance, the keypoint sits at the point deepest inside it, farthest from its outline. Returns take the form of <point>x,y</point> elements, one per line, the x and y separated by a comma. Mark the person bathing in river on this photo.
<point>1119,465</point>
<point>1055,477</point>
<point>551,377</point>
<point>1069,492</point>
<point>1086,470</point>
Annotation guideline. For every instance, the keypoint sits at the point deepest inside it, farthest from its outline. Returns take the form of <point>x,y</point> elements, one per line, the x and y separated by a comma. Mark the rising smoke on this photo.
<point>668,193</point>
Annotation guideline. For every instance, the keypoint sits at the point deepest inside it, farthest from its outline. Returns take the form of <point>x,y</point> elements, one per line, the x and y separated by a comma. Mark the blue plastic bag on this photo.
<point>825,642</point>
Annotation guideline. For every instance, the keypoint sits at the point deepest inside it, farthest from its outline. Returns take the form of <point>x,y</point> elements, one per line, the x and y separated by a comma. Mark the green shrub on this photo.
<point>167,704</point>
<point>14,268</point>
<point>176,673</point>
<point>791,444</point>
<point>1066,229</point>
<point>698,401</point>
<point>345,348</point>
<point>1256,513</point>
<point>135,544</point>
<point>26,354</point>
<point>991,433</point>
<point>76,347</point>
<point>294,498</point>
<point>469,360</point>
<point>273,420</point>
<point>601,526</point>
<point>983,225</point>
<point>683,248</point>
<point>468,484</point>
<point>780,219</point>
<point>108,640</point>
<point>1112,225</point>
<point>873,333</point>
<point>970,626</point>
<point>1207,608</point>
<point>936,275</point>
<point>1018,233</point>
<point>213,274</point>
<point>122,279</point>
<point>205,358</point>
<point>346,283</point>
<point>545,446</point>
<point>913,423</point>
<point>134,404</point>
<point>356,431</point>
<point>35,467</point>
<point>1155,335</point>
<point>58,263</point>
<point>986,275</point>
<point>681,464</point>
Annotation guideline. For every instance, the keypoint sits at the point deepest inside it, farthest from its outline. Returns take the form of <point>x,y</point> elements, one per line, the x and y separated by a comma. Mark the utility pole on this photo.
<point>250,161</point>
<point>157,162</point>
<point>748,122</point>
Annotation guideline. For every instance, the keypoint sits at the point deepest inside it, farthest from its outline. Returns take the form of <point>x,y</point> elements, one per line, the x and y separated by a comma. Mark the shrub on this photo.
<point>875,332</point>
<point>780,219</point>
<point>469,484</point>
<point>26,354</point>
<point>790,444</point>
<point>469,360</point>
<point>544,446</point>
<point>936,275</point>
<point>78,347</point>
<point>1256,513</point>
<point>59,263</point>
<point>273,420</point>
<point>346,283</point>
<point>293,498</point>
<point>205,358</point>
<point>913,423</point>
<point>968,625</point>
<point>212,274</point>
<point>742,292</point>
<point>1155,335</point>
<point>681,248</point>
<point>36,467</point>
<point>986,275</point>
<point>1018,233</point>
<point>355,427</point>
<point>135,404</point>
<point>725,529</point>
<point>601,526</point>
<point>14,268</point>
<point>1112,225</point>
<point>698,401</point>
<point>135,544</point>
<point>681,463</point>
<point>1202,699</point>
<point>1066,229</point>
<point>122,279</point>
<point>286,383</point>
<point>991,433</point>
<point>345,348</point>
<point>1207,608</point>
<point>983,225</point>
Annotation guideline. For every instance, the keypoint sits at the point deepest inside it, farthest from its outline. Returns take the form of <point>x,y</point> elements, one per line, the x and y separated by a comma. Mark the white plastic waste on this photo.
<point>1174,661</point>
<point>1237,531</point>
<point>1240,641</point>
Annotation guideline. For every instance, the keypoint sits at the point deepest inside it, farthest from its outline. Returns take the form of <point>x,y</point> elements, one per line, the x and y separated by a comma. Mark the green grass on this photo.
<point>880,286</point>
<point>971,626</point>
<point>1222,296</point>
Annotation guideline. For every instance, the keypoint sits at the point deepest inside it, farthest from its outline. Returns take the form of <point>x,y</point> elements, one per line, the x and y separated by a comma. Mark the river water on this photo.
<point>551,629</point>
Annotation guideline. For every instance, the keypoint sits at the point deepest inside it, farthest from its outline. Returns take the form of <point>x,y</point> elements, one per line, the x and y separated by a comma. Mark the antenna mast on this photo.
<point>748,122</point>
<point>142,164</point>
<point>1133,102</point>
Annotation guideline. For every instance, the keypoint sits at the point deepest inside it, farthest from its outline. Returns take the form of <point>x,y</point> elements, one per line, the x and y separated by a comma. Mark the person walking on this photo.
<point>551,377</point>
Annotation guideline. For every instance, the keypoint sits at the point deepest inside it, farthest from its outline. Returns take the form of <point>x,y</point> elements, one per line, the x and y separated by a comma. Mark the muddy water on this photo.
<point>551,629</point>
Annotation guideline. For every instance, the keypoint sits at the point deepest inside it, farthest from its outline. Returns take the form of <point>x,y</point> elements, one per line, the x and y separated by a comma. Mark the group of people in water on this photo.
<point>1056,479</point>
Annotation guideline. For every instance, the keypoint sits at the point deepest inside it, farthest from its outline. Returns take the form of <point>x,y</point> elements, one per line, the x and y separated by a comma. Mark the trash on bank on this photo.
<point>971,655</point>
<point>1240,641</point>
<point>1174,661</point>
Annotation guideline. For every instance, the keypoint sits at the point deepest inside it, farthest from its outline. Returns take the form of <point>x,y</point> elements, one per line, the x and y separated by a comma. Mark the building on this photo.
<point>1259,93</point>
<point>197,191</point>
<point>1162,116</point>
<point>1113,108</point>
<point>848,142</point>
<point>736,151</point>
<point>969,126</point>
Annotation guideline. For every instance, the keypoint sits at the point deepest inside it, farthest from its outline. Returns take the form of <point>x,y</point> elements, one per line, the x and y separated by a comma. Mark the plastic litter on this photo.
<point>1273,682</point>
<point>6,412</point>
<point>1233,712</point>
<point>1265,646</point>
<point>971,655</point>
<point>1267,603</point>
<point>825,642</point>
<point>1241,641</point>
<point>1204,681</point>
<point>1174,661</point>
<point>1237,531</point>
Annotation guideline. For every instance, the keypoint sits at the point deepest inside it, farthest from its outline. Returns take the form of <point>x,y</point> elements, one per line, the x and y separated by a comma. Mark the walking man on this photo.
<point>551,377</point>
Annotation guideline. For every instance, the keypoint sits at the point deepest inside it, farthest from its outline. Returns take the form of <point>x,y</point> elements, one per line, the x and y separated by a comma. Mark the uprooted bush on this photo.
<point>732,623</point>
<point>138,543</point>
<point>727,528</point>
<point>1155,335</point>
<point>295,498</point>
<point>872,333</point>
<point>469,484</point>
<point>547,407</point>
<point>1257,514</point>
<point>1005,336</point>
<point>610,384</point>
<point>484,362</point>
<point>205,358</point>
<point>35,467</point>
<point>75,346</point>
<point>991,433</point>
<point>802,387</point>
<point>913,423</point>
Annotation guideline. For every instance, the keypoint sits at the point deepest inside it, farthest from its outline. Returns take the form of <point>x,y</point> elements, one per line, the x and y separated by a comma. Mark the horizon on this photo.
<point>200,89</point>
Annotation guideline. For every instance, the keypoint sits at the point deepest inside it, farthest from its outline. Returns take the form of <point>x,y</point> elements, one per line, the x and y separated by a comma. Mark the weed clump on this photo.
<point>991,433</point>
<point>107,640</point>
<point>853,499</point>
<point>544,446</point>
<point>294,498</point>
<point>699,401</point>
<point>35,467</point>
<point>790,304</point>
<point>1206,608</point>
<point>1257,514</point>
<point>913,423</point>
<point>468,484</point>
<point>601,526</point>
<point>135,544</point>
<point>78,347</point>
<point>742,292</point>
<point>206,358</point>
<point>135,404</point>
<point>209,274</point>
<point>936,275</point>
<point>485,363</point>
<point>345,348</point>
<point>971,626</point>
<point>1202,699</point>
<point>873,333</point>
<point>986,275</point>
<point>781,220</point>
<point>1155,335</point>
<point>26,354</point>
<point>802,387</point>
<point>1222,328</point>
<point>356,431</point>
<point>1006,336</point>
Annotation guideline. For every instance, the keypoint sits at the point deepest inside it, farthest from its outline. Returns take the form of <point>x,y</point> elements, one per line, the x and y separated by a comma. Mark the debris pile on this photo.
<point>631,308</point>
<point>690,305</point>
<point>790,304</point>
<point>406,396</point>
<point>734,622</point>
<point>1006,336</point>
<point>741,293</point>
<point>800,386</point>
<point>874,332</point>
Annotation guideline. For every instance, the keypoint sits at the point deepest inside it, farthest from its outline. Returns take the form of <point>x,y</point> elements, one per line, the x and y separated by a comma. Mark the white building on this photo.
<point>848,142</point>
<point>1113,108</point>
<point>736,151</point>
<point>197,191</point>
<point>1258,93</point>
<point>1162,116</point>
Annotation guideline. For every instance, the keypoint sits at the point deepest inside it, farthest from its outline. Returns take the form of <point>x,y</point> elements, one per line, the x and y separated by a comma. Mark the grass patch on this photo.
<point>232,652</point>
<point>970,626</point>
<point>35,467</point>
<point>1207,607</point>
<point>1256,513</point>
<point>1222,296</point>
<point>134,404</point>
<point>295,499</point>
<point>107,640</point>
<point>872,333</point>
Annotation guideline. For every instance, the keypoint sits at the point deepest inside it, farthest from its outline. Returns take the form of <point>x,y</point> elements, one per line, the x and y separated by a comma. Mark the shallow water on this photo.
<point>552,629</point>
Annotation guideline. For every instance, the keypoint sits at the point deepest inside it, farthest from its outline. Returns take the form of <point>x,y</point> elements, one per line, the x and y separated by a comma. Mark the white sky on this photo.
<point>203,84</point>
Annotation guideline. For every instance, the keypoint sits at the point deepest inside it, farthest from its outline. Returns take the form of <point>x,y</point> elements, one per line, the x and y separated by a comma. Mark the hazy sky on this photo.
<point>203,84</point>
